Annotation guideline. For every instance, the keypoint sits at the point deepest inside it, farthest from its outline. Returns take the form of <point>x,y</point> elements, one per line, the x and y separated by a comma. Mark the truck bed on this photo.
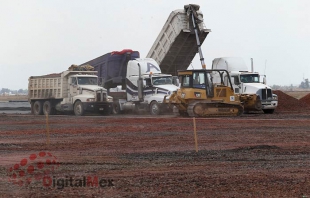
<point>112,67</point>
<point>176,46</point>
<point>45,87</point>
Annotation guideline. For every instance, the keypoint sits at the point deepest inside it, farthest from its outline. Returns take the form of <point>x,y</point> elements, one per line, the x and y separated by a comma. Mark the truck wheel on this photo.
<point>268,111</point>
<point>47,108</point>
<point>37,108</point>
<point>78,108</point>
<point>154,108</point>
<point>116,109</point>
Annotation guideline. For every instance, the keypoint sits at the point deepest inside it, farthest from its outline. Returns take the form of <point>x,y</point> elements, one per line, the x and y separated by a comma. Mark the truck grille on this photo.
<point>265,94</point>
<point>101,96</point>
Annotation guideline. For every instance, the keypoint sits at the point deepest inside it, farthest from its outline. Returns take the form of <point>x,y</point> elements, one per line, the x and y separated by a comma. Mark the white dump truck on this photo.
<point>246,82</point>
<point>176,46</point>
<point>134,83</point>
<point>146,88</point>
<point>69,91</point>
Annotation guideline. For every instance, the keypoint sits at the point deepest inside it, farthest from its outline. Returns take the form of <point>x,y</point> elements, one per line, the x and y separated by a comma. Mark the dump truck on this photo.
<point>246,82</point>
<point>134,83</point>
<point>199,95</point>
<point>176,46</point>
<point>68,91</point>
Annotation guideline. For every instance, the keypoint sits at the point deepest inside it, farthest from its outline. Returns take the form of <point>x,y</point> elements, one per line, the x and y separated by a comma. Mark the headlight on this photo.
<point>90,100</point>
<point>167,97</point>
<point>275,97</point>
<point>197,94</point>
<point>110,99</point>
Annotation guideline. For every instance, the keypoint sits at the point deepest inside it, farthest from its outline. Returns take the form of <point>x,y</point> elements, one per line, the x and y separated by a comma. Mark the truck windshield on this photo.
<point>249,78</point>
<point>163,80</point>
<point>87,81</point>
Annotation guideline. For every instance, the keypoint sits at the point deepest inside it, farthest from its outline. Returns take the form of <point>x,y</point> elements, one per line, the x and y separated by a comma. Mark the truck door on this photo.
<point>236,84</point>
<point>73,88</point>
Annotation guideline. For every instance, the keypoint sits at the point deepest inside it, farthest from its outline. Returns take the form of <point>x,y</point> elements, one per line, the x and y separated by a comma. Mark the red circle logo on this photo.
<point>33,168</point>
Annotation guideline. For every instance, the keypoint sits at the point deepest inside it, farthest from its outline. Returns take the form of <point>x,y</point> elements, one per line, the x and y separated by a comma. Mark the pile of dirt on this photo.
<point>289,103</point>
<point>306,99</point>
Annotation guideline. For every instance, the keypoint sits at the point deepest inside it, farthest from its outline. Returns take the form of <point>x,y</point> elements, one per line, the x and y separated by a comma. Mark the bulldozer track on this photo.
<point>209,109</point>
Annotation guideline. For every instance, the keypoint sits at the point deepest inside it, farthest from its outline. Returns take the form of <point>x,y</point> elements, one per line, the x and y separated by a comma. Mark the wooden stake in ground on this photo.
<point>195,135</point>
<point>47,131</point>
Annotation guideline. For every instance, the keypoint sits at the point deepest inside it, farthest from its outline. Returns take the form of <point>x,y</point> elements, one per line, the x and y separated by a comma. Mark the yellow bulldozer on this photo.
<point>198,96</point>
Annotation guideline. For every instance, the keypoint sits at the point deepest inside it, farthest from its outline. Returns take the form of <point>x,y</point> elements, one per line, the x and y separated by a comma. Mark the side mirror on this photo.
<point>264,80</point>
<point>236,80</point>
<point>175,81</point>
<point>148,82</point>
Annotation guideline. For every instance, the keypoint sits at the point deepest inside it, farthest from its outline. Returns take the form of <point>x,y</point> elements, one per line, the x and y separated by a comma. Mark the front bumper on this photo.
<point>251,102</point>
<point>98,106</point>
<point>269,104</point>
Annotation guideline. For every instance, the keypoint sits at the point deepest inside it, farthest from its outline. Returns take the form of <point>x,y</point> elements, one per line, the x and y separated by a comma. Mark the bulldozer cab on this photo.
<point>202,79</point>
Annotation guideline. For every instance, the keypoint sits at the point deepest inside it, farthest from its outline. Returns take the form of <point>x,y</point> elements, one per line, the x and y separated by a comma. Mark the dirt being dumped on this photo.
<point>255,155</point>
<point>288,103</point>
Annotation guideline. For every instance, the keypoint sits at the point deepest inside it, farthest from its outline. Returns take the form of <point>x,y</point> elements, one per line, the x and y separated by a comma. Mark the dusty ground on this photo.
<point>13,97</point>
<point>254,155</point>
<point>297,94</point>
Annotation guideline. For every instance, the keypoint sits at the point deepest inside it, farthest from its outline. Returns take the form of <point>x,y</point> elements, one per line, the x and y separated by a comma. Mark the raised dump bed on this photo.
<point>176,45</point>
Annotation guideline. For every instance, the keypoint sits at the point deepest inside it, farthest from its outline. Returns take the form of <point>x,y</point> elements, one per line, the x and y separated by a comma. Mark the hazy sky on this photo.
<point>47,36</point>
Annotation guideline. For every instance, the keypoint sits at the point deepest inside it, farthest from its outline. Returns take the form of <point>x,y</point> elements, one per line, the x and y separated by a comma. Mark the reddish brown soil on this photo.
<point>288,103</point>
<point>255,155</point>
<point>306,99</point>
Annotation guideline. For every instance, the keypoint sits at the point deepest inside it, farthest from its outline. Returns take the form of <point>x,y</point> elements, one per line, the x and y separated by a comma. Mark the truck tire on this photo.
<point>154,108</point>
<point>78,108</point>
<point>37,108</point>
<point>268,111</point>
<point>48,108</point>
<point>116,109</point>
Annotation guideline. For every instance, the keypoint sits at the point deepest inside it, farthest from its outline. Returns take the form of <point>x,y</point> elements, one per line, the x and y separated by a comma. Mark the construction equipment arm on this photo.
<point>194,17</point>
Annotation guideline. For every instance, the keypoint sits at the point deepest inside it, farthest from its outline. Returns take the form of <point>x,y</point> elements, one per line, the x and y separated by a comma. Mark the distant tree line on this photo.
<point>304,84</point>
<point>7,91</point>
<point>284,88</point>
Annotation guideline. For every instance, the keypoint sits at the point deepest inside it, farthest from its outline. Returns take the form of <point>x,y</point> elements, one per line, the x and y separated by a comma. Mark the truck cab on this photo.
<point>84,94</point>
<point>247,82</point>
<point>155,86</point>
